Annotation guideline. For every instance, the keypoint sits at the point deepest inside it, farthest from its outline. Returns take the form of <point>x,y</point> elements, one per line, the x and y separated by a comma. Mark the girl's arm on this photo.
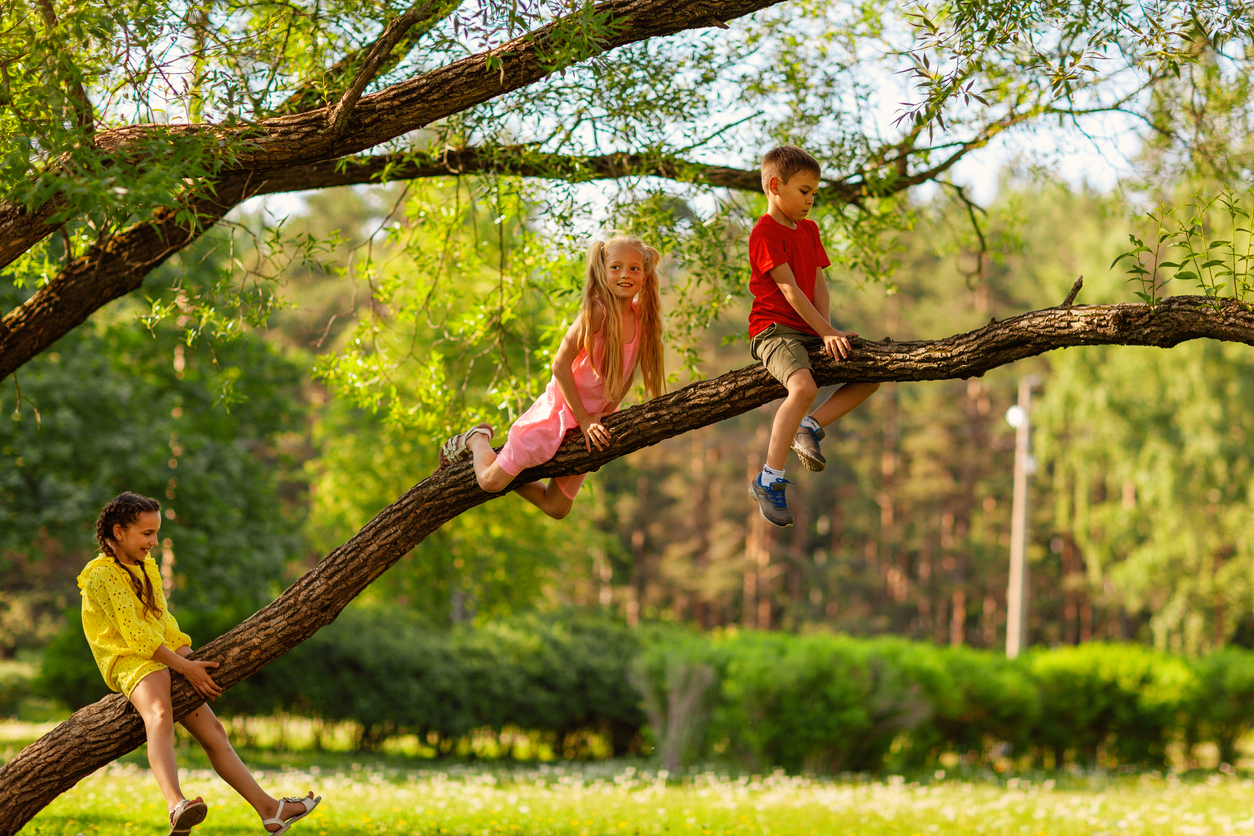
<point>196,672</point>
<point>594,431</point>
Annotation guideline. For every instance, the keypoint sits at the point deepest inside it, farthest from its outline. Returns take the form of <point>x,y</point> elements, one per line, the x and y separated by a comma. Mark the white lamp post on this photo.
<point>1019,417</point>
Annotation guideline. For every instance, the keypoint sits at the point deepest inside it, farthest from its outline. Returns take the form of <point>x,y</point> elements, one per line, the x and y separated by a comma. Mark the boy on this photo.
<point>790,315</point>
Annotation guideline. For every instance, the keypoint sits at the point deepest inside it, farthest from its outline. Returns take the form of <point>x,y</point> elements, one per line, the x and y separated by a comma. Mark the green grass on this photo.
<point>396,793</point>
<point>365,798</point>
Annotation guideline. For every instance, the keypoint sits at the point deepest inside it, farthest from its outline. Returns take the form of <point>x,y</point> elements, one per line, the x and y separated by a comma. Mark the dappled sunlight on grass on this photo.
<point>607,798</point>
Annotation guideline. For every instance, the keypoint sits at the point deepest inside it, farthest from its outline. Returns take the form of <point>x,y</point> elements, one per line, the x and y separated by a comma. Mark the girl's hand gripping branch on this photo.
<point>196,672</point>
<point>594,432</point>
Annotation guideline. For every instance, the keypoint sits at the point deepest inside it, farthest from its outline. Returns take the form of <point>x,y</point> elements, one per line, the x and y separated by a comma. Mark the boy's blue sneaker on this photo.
<point>806,445</point>
<point>771,501</point>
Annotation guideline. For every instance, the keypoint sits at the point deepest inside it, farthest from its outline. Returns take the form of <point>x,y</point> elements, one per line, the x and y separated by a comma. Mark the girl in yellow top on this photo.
<point>137,642</point>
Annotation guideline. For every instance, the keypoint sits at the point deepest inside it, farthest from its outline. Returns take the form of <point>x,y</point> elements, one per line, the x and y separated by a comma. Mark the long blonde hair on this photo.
<point>649,357</point>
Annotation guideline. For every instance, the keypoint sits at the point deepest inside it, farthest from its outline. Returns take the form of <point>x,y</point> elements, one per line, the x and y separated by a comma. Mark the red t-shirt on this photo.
<point>770,245</point>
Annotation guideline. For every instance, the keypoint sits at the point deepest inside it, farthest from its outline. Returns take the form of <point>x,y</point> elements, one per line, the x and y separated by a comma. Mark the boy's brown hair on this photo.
<point>786,161</point>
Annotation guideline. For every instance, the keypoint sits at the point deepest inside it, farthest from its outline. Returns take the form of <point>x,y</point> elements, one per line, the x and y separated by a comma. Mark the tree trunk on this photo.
<point>102,732</point>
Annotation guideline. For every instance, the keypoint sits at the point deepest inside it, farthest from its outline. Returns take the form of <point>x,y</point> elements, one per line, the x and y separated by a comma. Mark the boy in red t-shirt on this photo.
<point>789,317</point>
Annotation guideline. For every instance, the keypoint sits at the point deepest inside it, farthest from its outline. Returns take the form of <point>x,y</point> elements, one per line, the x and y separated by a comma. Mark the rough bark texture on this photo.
<point>100,733</point>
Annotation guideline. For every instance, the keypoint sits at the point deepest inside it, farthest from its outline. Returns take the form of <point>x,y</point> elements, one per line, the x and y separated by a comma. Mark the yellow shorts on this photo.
<point>129,671</point>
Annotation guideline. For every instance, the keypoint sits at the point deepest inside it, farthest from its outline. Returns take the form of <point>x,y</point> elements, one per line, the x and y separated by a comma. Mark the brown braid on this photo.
<point>124,509</point>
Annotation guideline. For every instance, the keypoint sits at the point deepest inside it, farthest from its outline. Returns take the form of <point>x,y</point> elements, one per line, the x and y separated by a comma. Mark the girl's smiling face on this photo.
<point>624,271</point>
<point>132,544</point>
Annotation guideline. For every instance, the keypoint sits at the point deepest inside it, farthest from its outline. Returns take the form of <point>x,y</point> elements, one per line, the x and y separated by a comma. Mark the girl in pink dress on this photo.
<point>618,328</point>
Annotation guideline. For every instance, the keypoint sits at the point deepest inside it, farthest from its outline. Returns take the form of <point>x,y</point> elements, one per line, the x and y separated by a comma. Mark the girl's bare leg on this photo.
<point>488,473</point>
<point>843,401</point>
<point>151,698</point>
<point>204,726</point>
<point>548,499</point>
<point>493,479</point>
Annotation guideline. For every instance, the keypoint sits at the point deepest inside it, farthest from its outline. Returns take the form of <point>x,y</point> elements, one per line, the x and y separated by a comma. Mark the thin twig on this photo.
<point>1075,289</point>
<point>337,119</point>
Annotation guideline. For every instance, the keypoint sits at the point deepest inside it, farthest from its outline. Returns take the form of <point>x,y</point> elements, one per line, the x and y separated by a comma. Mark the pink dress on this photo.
<point>536,435</point>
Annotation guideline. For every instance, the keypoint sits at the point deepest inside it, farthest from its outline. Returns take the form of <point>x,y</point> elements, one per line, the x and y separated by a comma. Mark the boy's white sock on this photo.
<point>769,475</point>
<point>811,423</point>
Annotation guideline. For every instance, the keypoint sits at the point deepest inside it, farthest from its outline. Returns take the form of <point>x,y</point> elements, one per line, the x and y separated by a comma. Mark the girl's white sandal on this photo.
<point>455,448</point>
<point>278,816</point>
<point>186,815</point>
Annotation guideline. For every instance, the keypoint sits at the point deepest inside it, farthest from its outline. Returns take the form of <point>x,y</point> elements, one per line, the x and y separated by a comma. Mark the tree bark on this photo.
<point>100,733</point>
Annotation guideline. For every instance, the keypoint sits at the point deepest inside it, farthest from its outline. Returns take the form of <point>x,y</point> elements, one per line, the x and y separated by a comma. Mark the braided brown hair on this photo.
<point>124,509</point>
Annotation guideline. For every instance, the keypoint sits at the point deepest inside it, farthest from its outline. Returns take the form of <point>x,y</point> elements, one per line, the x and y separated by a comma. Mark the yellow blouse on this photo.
<point>122,636</point>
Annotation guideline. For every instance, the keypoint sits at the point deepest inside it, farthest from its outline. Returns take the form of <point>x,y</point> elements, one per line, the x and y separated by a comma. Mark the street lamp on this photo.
<point>1019,416</point>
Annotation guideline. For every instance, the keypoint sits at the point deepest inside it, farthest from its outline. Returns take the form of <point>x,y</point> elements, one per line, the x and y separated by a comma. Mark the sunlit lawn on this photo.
<point>399,794</point>
<point>616,798</point>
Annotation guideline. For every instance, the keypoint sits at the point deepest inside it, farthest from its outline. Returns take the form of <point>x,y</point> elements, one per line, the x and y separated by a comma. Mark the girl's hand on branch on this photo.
<point>197,674</point>
<point>594,432</point>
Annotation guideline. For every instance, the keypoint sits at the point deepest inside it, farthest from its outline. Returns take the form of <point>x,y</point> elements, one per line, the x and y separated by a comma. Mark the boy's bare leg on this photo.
<point>488,473</point>
<point>151,698</point>
<point>841,402</point>
<point>548,498</point>
<point>801,394</point>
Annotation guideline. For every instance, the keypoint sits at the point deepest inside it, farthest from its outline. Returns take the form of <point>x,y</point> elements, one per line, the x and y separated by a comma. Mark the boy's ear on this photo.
<point>772,185</point>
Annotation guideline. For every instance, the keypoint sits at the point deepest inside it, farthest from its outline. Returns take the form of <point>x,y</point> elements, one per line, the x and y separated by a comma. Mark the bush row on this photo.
<point>816,702</point>
<point>393,674</point>
<point>834,703</point>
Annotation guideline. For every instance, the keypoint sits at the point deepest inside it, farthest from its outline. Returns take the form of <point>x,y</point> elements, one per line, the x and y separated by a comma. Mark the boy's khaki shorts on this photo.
<point>783,350</point>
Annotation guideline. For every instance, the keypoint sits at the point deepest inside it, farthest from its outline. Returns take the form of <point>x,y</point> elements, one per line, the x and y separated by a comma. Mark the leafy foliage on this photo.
<point>115,409</point>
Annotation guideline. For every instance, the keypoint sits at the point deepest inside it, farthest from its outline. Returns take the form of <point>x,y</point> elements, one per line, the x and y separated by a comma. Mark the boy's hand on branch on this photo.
<point>837,345</point>
<point>594,432</point>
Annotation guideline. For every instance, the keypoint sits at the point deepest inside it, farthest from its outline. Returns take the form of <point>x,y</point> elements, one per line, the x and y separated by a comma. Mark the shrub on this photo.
<point>679,681</point>
<point>1223,709</point>
<point>1123,699</point>
<point>557,674</point>
<point>15,686</point>
<point>823,703</point>
<point>993,701</point>
<point>69,674</point>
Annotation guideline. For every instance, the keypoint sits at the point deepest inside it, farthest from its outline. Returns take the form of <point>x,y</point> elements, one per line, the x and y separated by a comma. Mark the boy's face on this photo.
<point>794,198</point>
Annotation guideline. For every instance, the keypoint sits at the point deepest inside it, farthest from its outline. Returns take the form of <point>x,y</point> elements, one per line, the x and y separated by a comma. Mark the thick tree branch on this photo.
<point>375,58</point>
<point>313,92</point>
<point>302,138</point>
<point>112,268</point>
<point>517,161</point>
<point>100,733</point>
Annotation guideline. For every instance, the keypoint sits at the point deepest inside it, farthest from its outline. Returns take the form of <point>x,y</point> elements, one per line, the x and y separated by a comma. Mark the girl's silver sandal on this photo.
<point>186,815</point>
<point>455,449</point>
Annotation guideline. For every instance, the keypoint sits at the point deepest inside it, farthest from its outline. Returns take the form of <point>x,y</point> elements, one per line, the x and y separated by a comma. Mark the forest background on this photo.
<point>420,308</point>
<point>1137,504</point>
